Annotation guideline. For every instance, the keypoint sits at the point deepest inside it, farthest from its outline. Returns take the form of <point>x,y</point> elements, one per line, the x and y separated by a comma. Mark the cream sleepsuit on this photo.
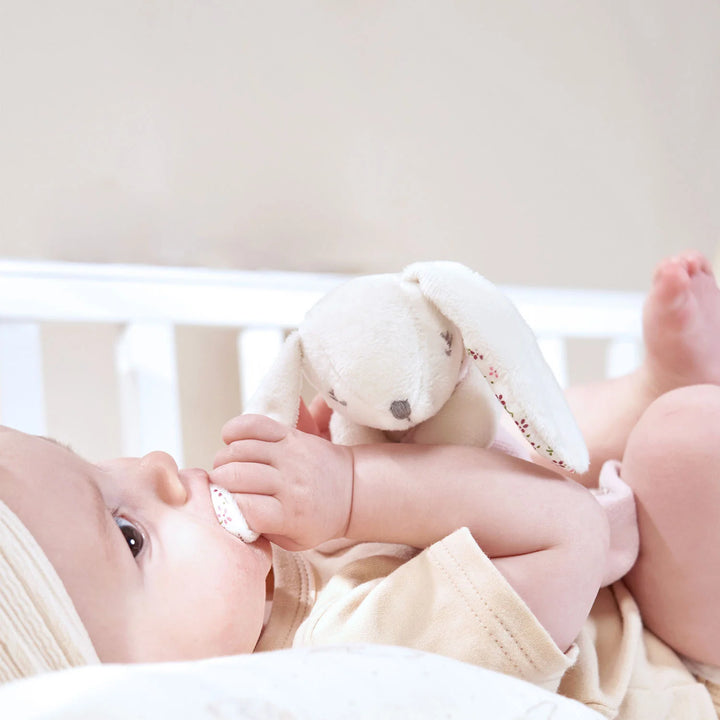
<point>450,599</point>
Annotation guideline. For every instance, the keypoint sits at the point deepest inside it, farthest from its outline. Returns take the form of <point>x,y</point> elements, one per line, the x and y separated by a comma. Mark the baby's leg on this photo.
<point>681,329</point>
<point>672,462</point>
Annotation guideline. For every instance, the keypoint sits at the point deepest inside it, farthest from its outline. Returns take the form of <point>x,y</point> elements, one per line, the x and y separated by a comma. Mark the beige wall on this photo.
<point>546,143</point>
<point>551,143</point>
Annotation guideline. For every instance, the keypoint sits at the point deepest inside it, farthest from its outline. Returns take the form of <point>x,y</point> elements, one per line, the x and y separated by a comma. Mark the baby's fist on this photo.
<point>293,487</point>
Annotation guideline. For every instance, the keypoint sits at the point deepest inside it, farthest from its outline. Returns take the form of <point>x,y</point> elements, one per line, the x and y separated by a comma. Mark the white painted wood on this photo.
<point>579,313</point>
<point>623,355</point>
<point>554,350</point>
<point>80,292</point>
<point>22,393</point>
<point>257,348</point>
<point>149,397</point>
<point>85,292</point>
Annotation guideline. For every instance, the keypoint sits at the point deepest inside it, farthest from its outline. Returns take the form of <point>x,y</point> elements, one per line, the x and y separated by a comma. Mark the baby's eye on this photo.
<point>133,537</point>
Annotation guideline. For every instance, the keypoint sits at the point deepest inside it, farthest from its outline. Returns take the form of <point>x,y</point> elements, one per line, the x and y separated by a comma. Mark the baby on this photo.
<point>504,572</point>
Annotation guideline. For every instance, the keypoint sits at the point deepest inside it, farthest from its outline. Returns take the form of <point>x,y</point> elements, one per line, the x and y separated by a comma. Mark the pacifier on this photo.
<point>229,515</point>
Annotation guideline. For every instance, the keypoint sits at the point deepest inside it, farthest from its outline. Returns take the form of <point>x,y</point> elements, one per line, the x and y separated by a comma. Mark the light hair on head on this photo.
<point>40,629</point>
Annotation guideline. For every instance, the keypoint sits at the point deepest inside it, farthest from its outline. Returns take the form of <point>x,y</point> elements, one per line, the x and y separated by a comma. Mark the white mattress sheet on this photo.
<point>358,681</point>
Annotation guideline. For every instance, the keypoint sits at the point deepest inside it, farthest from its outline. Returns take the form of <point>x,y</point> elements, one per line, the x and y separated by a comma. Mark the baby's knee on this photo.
<point>694,400</point>
<point>678,436</point>
<point>686,414</point>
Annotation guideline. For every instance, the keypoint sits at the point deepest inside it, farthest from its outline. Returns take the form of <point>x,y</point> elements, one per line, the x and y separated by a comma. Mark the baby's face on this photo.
<point>138,546</point>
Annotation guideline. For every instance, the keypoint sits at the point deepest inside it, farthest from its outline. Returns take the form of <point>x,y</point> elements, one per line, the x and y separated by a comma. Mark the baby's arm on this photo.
<point>544,533</point>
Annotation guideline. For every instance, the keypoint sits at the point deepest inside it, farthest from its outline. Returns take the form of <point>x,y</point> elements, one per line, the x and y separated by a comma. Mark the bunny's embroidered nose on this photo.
<point>400,409</point>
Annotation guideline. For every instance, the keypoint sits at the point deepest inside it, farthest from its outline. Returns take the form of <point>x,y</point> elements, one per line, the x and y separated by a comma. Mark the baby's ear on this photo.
<point>505,350</point>
<point>278,395</point>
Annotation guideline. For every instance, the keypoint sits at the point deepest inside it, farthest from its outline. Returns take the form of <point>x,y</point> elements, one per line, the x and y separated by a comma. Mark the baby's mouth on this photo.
<point>229,515</point>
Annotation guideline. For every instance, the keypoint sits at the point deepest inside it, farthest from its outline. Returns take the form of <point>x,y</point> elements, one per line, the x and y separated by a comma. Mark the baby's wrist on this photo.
<point>348,489</point>
<point>364,513</point>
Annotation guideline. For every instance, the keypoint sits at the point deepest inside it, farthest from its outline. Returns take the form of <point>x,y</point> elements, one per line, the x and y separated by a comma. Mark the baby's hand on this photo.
<point>316,418</point>
<point>295,488</point>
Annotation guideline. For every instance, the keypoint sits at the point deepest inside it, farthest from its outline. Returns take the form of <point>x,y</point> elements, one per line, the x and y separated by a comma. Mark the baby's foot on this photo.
<point>681,324</point>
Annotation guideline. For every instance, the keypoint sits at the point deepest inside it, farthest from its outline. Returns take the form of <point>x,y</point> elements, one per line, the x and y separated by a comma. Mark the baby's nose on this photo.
<point>162,471</point>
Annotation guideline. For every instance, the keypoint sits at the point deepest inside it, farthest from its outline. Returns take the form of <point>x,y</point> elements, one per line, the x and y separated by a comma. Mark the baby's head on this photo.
<point>139,550</point>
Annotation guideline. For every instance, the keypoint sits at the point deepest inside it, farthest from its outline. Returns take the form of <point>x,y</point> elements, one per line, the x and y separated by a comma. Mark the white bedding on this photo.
<point>343,682</point>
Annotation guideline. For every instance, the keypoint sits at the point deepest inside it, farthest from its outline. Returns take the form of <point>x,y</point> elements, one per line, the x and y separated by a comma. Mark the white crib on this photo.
<point>146,304</point>
<point>144,309</point>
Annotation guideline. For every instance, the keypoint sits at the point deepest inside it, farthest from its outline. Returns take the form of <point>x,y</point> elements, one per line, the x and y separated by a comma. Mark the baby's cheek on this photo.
<point>218,585</point>
<point>235,610</point>
<point>235,590</point>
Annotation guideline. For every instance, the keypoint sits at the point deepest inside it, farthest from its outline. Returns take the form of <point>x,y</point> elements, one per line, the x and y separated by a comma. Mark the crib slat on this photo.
<point>149,396</point>
<point>554,350</point>
<point>623,355</point>
<point>22,390</point>
<point>257,348</point>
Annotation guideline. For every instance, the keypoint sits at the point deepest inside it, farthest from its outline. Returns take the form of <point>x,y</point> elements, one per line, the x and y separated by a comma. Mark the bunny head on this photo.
<point>392,352</point>
<point>380,353</point>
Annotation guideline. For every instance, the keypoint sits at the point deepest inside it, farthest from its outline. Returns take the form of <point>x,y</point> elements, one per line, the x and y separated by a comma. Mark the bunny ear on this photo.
<point>505,349</point>
<point>278,395</point>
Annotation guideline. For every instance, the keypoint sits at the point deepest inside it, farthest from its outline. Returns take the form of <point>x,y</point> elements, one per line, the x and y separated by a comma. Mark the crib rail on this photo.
<point>148,303</point>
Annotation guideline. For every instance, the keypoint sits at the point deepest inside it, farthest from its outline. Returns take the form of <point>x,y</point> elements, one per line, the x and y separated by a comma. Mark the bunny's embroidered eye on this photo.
<point>332,396</point>
<point>448,338</point>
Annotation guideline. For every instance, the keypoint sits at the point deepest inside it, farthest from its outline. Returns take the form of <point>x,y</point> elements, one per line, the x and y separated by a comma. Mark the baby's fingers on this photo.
<point>262,513</point>
<point>258,427</point>
<point>244,477</point>
<point>322,413</point>
<point>247,451</point>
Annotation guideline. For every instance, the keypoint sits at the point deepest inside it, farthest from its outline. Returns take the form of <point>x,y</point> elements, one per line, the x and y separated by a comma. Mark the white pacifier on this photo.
<point>229,515</point>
